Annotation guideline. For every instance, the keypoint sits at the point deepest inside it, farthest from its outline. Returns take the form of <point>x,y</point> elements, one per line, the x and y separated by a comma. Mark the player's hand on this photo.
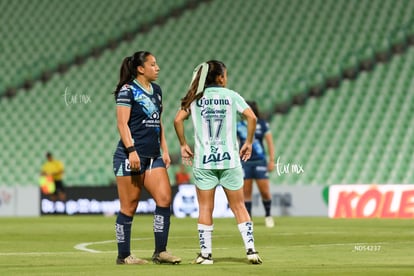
<point>186,155</point>
<point>246,151</point>
<point>270,166</point>
<point>166,158</point>
<point>134,161</point>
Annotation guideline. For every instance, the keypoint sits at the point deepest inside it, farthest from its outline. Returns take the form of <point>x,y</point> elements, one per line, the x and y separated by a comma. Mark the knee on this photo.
<point>129,208</point>
<point>266,195</point>
<point>240,207</point>
<point>163,200</point>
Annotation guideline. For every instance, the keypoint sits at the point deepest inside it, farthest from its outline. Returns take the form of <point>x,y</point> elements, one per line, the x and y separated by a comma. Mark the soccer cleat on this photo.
<point>203,260</point>
<point>131,259</point>
<point>253,257</point>
<point>269,222</point>
<point>165,258</point>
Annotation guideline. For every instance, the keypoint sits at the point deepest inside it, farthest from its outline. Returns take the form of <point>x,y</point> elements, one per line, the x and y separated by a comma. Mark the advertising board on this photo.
<point>371,201</point>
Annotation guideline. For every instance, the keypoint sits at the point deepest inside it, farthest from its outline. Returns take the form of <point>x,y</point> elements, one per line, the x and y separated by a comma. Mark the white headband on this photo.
<point>204,70</point>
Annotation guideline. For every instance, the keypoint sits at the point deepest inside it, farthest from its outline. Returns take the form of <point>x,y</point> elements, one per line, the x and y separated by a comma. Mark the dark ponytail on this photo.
<point>216,68</point>
<point>191,93</point>
<point>128,71</point>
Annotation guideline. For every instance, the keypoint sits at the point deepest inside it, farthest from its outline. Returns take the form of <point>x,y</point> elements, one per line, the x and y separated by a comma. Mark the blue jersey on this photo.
<point>258,150</point>
<point>145,119</point>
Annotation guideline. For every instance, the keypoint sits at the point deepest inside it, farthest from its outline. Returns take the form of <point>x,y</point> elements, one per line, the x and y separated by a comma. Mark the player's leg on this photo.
<point>206,182</point>
<point>231,180</point>
<point>261,175</point>
<point>206,206</point>
<point>248,191</point>
<point>248,173</point>
<point>129,186</point>
<point>264,188</point>
<point>245,225</point>
<point>205,225</point>
<point>129,189</point>
<point>157,183</point>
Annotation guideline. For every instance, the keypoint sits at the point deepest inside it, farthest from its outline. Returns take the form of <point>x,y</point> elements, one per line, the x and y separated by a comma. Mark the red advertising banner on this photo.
<point>371,201</point>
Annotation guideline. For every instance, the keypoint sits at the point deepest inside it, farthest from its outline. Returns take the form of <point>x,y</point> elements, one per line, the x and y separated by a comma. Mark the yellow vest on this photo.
<point>53,168</point>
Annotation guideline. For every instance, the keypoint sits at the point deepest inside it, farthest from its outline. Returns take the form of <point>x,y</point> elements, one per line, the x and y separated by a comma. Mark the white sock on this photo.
<point>246,231</point>
<point>204,235</point>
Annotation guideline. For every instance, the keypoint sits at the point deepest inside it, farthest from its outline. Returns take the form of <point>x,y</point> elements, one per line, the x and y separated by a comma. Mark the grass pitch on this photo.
<point>85,245</point>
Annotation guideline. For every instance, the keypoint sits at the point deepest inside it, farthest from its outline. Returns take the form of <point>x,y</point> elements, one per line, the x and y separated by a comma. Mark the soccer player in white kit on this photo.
<point>216,158</point>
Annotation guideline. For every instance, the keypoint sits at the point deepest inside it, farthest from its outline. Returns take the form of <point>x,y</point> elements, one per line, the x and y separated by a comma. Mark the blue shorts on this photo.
<point>121,163</point>
<point>256,169</point>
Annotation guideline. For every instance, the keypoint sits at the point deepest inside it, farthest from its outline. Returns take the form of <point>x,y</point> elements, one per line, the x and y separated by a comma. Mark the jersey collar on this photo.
<point>145,90</point>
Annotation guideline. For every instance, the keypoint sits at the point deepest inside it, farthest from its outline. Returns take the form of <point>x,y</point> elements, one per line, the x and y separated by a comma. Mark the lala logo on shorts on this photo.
<point>215,156</point>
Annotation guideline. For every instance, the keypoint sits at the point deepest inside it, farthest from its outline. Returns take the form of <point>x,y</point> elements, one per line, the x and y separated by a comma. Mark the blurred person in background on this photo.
<point>55,169</point>
<point>141,158</point>
<point>182,176</point>
<point>257,168</point>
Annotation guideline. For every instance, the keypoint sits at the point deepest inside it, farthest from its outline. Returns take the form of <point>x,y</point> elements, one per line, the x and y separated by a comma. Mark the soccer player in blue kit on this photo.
<point>258,167</point>
<point>141,158</point>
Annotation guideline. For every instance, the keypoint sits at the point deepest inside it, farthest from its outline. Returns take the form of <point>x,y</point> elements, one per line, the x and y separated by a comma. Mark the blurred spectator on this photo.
<point>55,169</point>
<point>182,176</point>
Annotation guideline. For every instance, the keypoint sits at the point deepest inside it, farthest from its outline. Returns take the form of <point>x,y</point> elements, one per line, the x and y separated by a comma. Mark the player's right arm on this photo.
<point>186,153</point>
<point>123,113</point>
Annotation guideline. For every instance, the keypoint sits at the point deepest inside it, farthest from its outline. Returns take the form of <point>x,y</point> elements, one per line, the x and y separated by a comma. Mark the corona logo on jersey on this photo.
<point>204,102</point>
<point>371,201</point>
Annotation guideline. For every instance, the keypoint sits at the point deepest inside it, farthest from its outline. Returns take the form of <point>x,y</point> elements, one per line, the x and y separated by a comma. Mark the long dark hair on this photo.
<point>128,71</point>
<point>216,68</point>
<point>254,107</point>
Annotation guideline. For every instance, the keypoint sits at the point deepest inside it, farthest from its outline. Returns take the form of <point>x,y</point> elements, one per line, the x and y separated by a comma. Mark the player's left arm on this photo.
<point>246,149</point>
<point>164,147</point>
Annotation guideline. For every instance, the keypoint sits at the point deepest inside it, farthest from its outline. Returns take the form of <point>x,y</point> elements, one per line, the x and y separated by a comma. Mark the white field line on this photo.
<point>84,247</point>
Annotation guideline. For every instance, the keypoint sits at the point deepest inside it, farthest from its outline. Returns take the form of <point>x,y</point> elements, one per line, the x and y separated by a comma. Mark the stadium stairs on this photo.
<point>83,128</point>
<point>94,49</point>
